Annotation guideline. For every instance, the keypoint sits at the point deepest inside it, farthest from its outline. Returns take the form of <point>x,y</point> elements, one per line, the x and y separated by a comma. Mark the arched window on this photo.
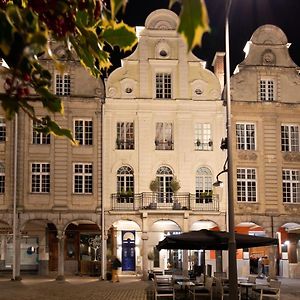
<point>164,175</point>
<point>125,184</point>
<point>203,185</point>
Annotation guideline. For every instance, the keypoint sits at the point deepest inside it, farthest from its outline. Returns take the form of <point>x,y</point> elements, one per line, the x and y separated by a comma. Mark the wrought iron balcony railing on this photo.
<point>165,201</point>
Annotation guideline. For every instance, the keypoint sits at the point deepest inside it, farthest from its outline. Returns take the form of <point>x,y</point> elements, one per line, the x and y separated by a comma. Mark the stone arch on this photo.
<point>204,224</point>
<point>162,19</point>
<point>168,219</point>
<point>115,218</point>
<point>6,218</point>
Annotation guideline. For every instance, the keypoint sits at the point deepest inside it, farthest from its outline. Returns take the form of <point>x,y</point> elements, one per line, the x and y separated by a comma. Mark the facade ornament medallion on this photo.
<point>291,156</point>
<point>292,208</point>
<point>247,207</point>
<point>245,155</point>
<point>268,57</point>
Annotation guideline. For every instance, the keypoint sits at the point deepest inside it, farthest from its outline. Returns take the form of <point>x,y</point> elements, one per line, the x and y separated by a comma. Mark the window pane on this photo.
<point>246,185</point>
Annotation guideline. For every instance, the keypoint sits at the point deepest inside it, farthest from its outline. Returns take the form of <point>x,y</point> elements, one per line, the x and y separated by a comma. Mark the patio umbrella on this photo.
<point>212,240</point>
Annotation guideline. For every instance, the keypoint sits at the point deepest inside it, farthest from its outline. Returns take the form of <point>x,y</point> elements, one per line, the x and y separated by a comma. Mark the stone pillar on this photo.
<point>185,256</point>
<point>61,256</point>
<point>272,263</point>
<point>43,256</point>
<point>17,258</point>
<point>145,256</point>
<point>104,257</point>
<point>2,251</point>
<point>145,250</point>
<point>219,261</point>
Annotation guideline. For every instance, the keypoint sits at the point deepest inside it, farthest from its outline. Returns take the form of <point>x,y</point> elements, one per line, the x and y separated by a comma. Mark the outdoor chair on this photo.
<point>271,291</point>
<point>163,287</point>
<point>205,290</point>
<point>221,290</point>
<point>251,279</point>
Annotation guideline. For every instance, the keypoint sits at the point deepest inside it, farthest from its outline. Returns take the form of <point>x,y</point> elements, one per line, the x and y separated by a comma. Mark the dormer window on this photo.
<point>267,90</point>
<point>63,84</point>
<point>163,86</point>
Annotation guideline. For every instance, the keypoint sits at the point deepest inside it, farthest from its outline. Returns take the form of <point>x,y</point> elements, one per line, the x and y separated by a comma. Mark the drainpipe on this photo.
<point>103,244</point>
<point>15,276</point>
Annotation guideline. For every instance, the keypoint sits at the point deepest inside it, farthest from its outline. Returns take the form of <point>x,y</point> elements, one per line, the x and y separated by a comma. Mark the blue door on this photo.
<point>128,250</point>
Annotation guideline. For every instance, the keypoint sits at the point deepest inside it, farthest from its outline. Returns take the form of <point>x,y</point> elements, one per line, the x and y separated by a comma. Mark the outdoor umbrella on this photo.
<point>212,240</point>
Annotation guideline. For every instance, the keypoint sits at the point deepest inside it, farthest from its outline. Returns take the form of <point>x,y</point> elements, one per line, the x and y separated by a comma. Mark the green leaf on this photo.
<point>49,100</point>
<point>6,33</point>
<point>55,129</point>
<point>116,6</point>
<point>9,104</point>
<point>193,22</point>
<point>120,34</point>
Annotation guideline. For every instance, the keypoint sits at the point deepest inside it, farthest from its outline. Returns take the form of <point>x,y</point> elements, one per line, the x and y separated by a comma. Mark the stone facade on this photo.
<point>42,212</point>
<point>192,95</point>
<point>265,91</point>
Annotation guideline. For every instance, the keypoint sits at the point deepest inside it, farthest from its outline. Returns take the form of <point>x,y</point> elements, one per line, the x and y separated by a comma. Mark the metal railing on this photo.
<point>164,201</point>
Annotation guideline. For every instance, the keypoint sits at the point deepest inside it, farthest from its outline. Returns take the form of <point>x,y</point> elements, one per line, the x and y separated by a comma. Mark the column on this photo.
<point>43,256</point>
<point>219,263</point>
<point>185,256</point>
<point>104,257</point>
<point>61,256</point>
<point>17,254</point>
<point>2,251</point>
<point>145,256</point>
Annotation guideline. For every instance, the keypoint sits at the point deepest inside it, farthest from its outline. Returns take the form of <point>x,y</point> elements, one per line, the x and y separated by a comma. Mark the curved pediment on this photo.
<point>162,19</point>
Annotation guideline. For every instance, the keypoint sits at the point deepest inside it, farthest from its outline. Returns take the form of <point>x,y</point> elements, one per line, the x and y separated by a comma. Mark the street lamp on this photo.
<point>233,285</point>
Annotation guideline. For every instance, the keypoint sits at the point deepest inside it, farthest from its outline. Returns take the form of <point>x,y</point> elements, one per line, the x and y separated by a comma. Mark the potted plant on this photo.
<point>154,186</point>
<point>206,196</point>
<point>175,186</point>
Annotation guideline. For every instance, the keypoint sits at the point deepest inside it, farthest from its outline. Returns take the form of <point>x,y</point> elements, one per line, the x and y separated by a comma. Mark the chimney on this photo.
<point>218,64</point>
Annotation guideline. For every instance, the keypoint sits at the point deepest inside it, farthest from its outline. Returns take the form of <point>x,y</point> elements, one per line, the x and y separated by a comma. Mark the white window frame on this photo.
<point>39,138</point>
<point>203,185</point>
<point>63,84</point>
<point>267,89</point>
<point>246,185</point>
<point>290,137</point>
<point>2,178</point>
<point>125,136</point>
<point>245,136</point>
<point>163,85</point>
<point>291,186</point>
<point>203,137</point>
<point>42,177</point>
<point>84,136</point>
<point>164,132</point>
<point>2,130</point>
<point>83,177</point>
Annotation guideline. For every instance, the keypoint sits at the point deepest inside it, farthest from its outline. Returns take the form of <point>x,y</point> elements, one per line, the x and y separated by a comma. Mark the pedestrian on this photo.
<point>260,268</point>
<point>115,265</point>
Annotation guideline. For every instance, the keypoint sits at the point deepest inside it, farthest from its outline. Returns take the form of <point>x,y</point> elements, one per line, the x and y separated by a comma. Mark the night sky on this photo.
<point>245,17</point>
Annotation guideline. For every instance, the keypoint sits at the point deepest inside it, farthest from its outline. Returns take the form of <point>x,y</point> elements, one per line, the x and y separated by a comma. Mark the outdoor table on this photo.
<point>246,285</point>
<point>185,285</point>
<point>176,278</point>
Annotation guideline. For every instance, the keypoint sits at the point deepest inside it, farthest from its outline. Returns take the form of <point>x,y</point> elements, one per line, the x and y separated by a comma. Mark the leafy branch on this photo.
<point>86,26</point>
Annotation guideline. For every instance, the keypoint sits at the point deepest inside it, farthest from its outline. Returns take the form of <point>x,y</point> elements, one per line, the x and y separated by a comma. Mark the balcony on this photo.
<point>164,201</point>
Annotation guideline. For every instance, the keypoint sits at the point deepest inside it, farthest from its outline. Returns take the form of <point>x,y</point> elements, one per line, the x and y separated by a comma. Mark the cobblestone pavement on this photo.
<point>91,288</point>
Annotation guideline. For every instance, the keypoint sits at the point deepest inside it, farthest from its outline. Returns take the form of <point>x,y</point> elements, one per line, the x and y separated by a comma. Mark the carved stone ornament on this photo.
<point>268,57</point>
<point>292,208</point>
<point>162,49</point>
<point>248,207</point>
<point>291,156</point>
<point>112,92</point>
<point>245,155</point>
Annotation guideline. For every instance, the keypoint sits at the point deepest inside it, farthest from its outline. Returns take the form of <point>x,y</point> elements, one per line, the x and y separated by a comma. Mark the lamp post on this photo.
<point>233,285</point>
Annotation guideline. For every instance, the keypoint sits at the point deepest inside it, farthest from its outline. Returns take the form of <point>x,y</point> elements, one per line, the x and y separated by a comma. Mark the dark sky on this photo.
<point>245,17</point>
